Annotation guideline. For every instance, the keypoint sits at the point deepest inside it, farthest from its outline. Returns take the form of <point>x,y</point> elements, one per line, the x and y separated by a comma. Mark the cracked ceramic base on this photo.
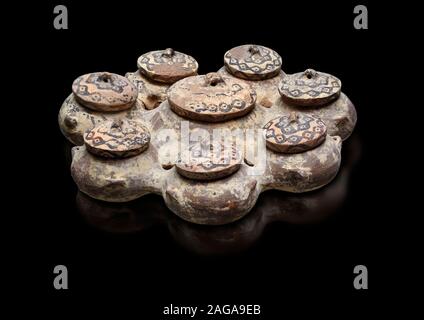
<point>214,202</point>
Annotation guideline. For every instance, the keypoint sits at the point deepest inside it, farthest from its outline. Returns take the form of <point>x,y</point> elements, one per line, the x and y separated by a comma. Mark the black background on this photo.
<point>291,268</point>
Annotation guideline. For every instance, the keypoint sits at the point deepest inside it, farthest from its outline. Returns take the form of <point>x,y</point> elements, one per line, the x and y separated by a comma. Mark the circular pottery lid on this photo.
<point>209,161</point>
<point>167,65</point>
<point>309,88</point>
<point>117,139</point>
<point>252,62</point>
<point>104,91</point>
<point>295,133</point>
<point>211,98</point>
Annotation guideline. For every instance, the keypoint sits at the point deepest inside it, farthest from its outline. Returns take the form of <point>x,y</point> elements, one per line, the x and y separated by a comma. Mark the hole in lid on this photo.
<point>105,78</point>
<point>249,163</point>
<point>167,166</point>
<point>309,76</point>
<point>253,50</point>
<point>214,82</point>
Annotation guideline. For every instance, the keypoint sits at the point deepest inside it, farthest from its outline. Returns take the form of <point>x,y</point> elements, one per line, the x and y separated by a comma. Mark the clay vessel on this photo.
<point>126,151</point>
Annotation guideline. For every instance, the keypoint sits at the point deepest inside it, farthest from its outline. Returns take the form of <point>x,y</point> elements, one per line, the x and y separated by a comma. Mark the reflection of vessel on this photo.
<point>272,206</point>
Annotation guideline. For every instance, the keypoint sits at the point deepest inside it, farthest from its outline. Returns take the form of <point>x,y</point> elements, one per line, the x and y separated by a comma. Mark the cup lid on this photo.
<point>294,133</point>
<point>252,62</point>
<point>117,139</point>
<point>209,161</point>
<point>211,98</point>
<point>309,88</point>
<point>167,65</point>
<point>104,91</point>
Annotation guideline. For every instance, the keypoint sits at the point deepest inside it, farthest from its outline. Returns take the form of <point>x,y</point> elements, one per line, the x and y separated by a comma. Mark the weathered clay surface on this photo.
<point>206,202</point>
<point>116,180</point>
<point>214,202</point>
<point>301,172</point>
<point>211,98</point>
<point>150,93</point>
<point>339,116</point>
<point>104,91</point>
<point>309,88</point>
<point>295,133</point>
<point>167,66</point>
<point>117,139</point>
<point>252,62</point>
<point>75,119</point>
<point>266,90</point>
<point>209,161</point>
<point>77,115</point>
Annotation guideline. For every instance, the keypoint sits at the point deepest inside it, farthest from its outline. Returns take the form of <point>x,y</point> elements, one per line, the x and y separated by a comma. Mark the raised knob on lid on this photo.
<point>210,161</point>
<point>167,66</point>
<point>294,133</point>
<point>211,98</point>
<point>104,91</point>
<point>117,139</point>
<point>309,88</point>
<point>252,62</point>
